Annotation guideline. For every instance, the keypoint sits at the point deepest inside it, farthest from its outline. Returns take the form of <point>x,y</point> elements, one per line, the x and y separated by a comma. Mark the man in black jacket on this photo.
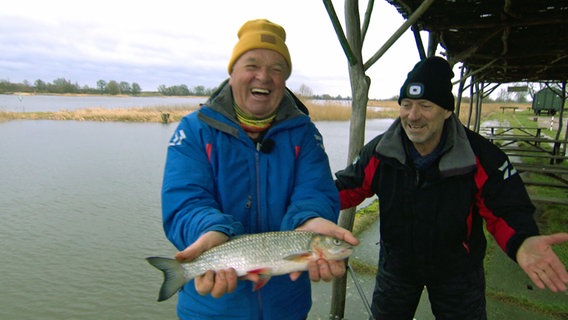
<point>436,182</point>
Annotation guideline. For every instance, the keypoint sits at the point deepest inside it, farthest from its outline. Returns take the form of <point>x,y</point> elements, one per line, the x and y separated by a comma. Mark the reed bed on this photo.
<point>389,109</point>
<point>341,111</point>
<point>326,111</point>
<point>146,114</point>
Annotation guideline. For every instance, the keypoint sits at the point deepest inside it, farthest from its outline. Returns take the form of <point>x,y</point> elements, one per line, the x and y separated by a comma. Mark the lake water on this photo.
<point>79,211</point>
<point>34,103</point>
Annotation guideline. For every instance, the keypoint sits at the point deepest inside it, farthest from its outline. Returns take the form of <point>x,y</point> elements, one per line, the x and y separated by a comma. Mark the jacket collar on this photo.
<point>222,101</point>
<point>457,155</point>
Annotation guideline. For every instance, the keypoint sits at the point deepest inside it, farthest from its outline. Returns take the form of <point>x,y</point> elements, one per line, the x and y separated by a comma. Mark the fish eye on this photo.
<point>336,242</point>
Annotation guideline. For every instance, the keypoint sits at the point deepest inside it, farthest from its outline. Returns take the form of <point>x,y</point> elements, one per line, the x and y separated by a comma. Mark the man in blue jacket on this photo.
<point>436,182</point>
<point>249,161</point>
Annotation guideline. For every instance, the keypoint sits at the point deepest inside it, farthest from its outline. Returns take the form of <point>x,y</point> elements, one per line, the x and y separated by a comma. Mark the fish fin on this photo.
<point>261,282</point>
<point>174,277</point>
<point>264,274</point>
<point>299,257</point>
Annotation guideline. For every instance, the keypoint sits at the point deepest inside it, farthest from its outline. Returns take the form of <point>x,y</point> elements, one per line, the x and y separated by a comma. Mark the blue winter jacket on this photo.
<point>217,178</point>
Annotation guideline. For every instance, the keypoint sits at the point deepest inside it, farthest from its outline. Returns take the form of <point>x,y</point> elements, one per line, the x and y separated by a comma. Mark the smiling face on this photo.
<point>258,81</point>
<point>423,122</point>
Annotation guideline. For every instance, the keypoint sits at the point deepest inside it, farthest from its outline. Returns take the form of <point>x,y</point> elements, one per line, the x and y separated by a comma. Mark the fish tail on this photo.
<point>174,277</point>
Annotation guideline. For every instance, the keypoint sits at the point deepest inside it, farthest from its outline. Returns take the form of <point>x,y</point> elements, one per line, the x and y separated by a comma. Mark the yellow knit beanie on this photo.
<point>260,34</point>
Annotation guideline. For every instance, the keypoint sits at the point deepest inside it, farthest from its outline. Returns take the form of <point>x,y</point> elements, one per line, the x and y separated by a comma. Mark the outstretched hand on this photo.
<point>536,257</point>
<point>323,269</point>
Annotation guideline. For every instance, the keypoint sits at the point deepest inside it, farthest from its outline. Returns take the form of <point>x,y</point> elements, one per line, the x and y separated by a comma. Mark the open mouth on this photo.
<point>258,91</point>
<point>415,127</point>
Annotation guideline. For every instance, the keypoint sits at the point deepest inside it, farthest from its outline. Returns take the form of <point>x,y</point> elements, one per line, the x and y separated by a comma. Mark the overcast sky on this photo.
<point>173,42</point>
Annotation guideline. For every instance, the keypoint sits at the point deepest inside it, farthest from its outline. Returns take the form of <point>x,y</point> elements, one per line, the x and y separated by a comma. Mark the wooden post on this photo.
<point>360,84</point>
<point>165,118</point>
<point>339,285</point>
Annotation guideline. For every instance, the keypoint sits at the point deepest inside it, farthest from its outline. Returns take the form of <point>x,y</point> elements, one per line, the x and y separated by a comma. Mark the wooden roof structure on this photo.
<point>500,41</point>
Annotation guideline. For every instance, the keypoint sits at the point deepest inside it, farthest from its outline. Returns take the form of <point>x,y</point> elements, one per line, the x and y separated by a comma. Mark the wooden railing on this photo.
<point>534,156</point>
<point>522,142</point>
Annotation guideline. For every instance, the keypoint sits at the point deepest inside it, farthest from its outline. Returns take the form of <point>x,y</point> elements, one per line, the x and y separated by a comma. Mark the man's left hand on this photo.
<point>541,264</point>
<point>323,269</point>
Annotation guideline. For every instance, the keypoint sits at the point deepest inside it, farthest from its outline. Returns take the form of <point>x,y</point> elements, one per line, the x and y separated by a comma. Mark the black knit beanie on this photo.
<point>431,79</point>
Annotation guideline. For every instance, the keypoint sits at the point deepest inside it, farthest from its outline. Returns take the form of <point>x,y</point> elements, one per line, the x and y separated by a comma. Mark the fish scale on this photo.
<point>266,254</point>
<point>250,252</point>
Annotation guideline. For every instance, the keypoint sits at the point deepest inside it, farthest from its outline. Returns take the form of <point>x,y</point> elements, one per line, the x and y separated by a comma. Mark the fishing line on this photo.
<point>360,290</point>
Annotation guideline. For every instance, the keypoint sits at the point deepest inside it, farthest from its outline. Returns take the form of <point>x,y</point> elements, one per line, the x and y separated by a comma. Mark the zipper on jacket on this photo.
<point>417,177</point>
<point>257,168</point>
<point>260,307</point>
<point>258,211</point>
<point>249,202</point>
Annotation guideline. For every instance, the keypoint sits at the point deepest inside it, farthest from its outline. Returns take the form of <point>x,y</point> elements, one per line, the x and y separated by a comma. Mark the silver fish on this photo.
<point>266,254</point>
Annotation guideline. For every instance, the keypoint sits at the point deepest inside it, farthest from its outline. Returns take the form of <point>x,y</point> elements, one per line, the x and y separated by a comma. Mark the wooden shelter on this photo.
<point>500,41</point>
<point>496,41</point>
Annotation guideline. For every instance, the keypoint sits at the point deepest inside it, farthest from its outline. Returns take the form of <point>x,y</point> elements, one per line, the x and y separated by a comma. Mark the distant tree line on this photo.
<point>306,92</point>
<point>62,85</point>
<point>112,87</point>
<point>183,90</point>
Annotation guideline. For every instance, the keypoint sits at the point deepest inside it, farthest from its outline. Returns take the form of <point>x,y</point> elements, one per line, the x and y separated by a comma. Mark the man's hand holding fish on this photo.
<point>323,269</point>
<point>215,283</point>
<point>220,282</point>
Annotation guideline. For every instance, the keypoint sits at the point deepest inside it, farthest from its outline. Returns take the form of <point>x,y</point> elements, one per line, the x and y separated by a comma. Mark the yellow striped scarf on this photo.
<point>251,124</point>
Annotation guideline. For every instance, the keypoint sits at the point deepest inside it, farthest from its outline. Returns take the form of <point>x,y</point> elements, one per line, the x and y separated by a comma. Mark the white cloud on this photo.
<point>186,42</point>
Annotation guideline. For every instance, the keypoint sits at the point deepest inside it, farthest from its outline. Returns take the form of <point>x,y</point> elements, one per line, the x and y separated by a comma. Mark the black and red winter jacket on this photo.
<point>432,220</point>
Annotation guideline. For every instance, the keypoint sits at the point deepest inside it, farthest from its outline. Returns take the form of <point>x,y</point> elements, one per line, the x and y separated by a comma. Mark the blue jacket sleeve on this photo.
<point>314,194</point>
<point>189,205</point>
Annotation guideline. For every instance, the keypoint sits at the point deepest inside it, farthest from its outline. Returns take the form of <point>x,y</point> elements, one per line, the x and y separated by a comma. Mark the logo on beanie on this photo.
<point>415,90</point>
<point>267,38</point>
